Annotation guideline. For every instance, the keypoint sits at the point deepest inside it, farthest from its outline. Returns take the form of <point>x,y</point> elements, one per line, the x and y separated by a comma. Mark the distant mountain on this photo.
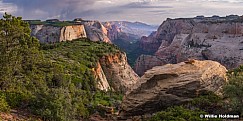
<point>126,35</point>
<point>137,29</point>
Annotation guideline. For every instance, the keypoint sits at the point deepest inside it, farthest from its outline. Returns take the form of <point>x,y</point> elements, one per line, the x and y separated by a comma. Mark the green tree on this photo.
<point>19,51</point>
<point>178,113</point>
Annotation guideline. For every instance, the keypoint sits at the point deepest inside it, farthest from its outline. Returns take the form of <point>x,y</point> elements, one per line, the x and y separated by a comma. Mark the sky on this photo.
<point>148,11</point>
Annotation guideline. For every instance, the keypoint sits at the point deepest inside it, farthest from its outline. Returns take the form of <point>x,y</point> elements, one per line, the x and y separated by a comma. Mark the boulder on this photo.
<point>173,84</point>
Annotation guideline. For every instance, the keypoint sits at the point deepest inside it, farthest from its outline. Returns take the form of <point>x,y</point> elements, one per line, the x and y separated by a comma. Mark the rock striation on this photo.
<point>151,61</point>
<point>96,31</point>
<point>50,34</point>
<point>113,72</point>
<point>173,84</point>
<point>176,40</point>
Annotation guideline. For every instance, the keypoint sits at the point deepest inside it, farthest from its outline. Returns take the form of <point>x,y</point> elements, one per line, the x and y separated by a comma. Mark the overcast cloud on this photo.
<point>149,11</point>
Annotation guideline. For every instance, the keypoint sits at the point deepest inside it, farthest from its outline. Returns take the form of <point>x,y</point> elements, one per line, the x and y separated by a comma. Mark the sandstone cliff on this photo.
<point>173,84</point>
<point>113,72</point>
<point>96,31</point>
<point>146,62</point>
<point>49,34</point>
<point>180,39</point>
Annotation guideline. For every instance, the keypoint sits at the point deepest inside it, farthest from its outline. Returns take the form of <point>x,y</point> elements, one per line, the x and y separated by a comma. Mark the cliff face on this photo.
<point>102,83</point>
<point>96,31</point>
<point>146,62</point>
<point>113,72</point>
<point>180,39</point>
<point>48,34</point>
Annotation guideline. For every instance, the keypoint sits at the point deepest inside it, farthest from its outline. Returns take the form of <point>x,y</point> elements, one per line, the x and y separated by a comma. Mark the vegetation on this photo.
<point>53,81</point>
<point>209,102</point>
<point>233,91</point>
<point>231,103</point>
<point>178,113</point>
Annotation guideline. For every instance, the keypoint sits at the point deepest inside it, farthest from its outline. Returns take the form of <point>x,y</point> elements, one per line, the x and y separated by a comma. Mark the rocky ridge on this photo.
<point>49,34</point>
<point>177,40</point>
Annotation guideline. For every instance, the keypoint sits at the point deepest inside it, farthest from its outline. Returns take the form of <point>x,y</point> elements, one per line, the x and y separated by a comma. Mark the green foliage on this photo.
<point>78,58</point>
<point>107,98</point>
<point>178,113</point>
<point>4,107</point>
<point>55,104</point>
<point>234,90</point>
<point>209,102</point>
<point>54,81</point>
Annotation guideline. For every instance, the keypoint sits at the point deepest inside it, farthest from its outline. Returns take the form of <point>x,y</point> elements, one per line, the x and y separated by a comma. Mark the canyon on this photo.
<point>184,59</point>
<point>176,40</point>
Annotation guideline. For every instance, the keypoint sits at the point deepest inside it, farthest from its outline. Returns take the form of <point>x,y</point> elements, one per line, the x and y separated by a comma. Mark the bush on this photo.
<point>233,91</point>
<point>209,102</point>
<point>4,107</point>
<point>178,113</point>
<point>55,104</point>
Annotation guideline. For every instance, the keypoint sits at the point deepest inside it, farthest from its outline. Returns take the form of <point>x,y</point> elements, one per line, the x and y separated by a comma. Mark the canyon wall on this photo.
<point>180,39</point>
<point>113,72</point>
<point>50,34</point>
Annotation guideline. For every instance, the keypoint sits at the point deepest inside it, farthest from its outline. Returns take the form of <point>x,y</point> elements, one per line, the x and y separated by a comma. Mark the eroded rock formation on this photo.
<point>49,34</point>
<point>96,31</point>
<point>173,84</point>
<point>113,72</point>
<point>176,40</point>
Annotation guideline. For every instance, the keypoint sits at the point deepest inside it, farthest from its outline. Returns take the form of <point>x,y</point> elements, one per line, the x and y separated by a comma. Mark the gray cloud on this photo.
<point>50,8</point>
<point>144,5</point>
<point>149,11</point>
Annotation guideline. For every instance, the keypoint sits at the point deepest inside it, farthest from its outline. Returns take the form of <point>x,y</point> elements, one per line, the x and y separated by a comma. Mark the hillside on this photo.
<point>59,81</point>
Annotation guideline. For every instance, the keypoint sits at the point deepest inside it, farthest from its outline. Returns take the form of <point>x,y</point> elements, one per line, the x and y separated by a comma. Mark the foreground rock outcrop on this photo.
<point>176,40</point>
<point>50,34</point>
<point>173,84</point>
<point>113,72</point>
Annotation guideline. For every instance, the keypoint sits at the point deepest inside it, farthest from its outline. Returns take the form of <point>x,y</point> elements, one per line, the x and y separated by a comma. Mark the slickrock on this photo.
<point>173,84</point>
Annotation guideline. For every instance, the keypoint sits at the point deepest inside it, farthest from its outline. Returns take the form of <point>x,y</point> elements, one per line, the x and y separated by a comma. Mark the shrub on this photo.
<point>178,113</point>
<point>209,102</point>
<point>4,107</point>
<point>234,90</point>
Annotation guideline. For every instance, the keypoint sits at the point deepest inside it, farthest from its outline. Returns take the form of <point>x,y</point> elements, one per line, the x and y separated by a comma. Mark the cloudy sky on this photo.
<point>148,11</point>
